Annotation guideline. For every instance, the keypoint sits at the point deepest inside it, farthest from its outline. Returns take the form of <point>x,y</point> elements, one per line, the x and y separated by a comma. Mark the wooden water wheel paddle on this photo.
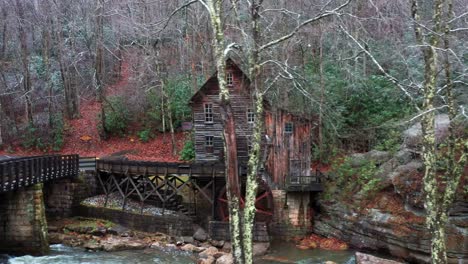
<point>263,203</point>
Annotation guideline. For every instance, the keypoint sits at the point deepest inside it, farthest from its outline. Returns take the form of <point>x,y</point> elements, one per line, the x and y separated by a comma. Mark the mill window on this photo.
<point>250,116</point>
<point>229,79</point>
<point>208,113</point>
<point>288,128</point>
<point>209,144</point>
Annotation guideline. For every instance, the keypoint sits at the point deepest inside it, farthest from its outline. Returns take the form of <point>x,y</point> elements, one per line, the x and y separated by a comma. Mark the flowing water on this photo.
<point>66,255</point>
<point>280,253</point>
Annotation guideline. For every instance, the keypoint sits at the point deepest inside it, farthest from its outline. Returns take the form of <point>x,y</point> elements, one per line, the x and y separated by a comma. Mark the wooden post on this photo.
<point>165,191</point>
<point>213,193</point>
<point>17,178</point>
<point>125,196</point>
<point>2,177</point>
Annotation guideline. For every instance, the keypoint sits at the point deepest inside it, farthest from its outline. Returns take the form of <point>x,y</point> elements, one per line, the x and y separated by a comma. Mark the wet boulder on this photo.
<point>362,258</point>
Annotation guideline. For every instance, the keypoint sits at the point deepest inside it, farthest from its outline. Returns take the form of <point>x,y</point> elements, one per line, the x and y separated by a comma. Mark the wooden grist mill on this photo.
<point>285,179</point>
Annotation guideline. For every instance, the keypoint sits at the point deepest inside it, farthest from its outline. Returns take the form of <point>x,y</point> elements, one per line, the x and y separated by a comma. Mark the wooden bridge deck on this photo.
<point>197,170</point>
<point>18,172</point>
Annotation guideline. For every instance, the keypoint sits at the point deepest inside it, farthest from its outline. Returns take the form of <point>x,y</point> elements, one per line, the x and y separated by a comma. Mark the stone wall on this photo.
<point>179,225</point>
<point>23,226</point>
<point>220,231</point>
<point>292,216</point>
<point>63,196</point>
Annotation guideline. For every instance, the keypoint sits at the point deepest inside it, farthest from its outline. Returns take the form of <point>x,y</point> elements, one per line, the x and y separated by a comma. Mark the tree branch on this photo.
<point>381,69</point>
<point>301,25</point>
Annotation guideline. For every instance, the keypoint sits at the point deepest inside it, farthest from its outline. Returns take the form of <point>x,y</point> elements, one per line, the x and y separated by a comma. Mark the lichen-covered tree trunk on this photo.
<point>438,197</point>
<point>214,8</point>
<point>254,155</point>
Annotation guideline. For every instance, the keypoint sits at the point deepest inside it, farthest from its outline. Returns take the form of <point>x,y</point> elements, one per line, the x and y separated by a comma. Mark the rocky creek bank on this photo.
<point>392,218</point>
<point>102,235</point>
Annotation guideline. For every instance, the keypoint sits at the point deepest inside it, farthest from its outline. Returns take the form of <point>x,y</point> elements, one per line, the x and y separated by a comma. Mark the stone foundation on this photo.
<point>179,225</point>
<point>292,216</point>
<point>23,225</point>
<point>220,231</point>
<point>62,197</point>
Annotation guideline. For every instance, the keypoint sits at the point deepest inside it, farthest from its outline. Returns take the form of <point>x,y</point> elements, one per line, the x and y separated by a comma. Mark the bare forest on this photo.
<point>106,77</point>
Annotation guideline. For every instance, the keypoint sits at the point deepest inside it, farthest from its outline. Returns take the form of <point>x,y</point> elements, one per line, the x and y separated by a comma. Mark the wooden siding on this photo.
<point>240,100</point>
<point>289,154</point>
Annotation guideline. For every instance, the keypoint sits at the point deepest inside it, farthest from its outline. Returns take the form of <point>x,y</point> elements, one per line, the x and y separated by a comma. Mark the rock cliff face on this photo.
<point>392,220</point>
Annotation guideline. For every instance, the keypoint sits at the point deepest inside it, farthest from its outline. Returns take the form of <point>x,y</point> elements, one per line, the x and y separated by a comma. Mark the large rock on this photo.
<point>217,243</point>
<point>393,226</point>
<point>192,248</point>
<point>209,252</point>
<point>113,243</point>
<point>260,249</point>
<point>207,260</point>
<point>358,159</point>
<point>92,245</point>
<point>200,235</point>
<point>227,247</point>
<point>393,220</point>
<point>362,258</point>
<point>225,259</point>
<point>413,135</point>
<point>185,239</point>
<point>377,156</point>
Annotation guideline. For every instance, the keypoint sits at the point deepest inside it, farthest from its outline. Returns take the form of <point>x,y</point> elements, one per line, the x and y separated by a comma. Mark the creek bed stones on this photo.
<point>115,201</point>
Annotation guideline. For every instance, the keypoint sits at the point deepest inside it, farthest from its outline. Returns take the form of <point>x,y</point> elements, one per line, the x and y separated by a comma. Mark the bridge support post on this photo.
<point>23,224</point>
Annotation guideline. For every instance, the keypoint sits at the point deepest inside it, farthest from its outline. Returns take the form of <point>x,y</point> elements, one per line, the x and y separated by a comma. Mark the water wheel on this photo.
<point>263,203</point>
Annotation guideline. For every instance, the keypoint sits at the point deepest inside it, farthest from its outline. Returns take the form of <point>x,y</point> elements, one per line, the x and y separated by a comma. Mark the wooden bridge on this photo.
<point>18,172</point>
<point>165,183</point>
<point>160,183</point>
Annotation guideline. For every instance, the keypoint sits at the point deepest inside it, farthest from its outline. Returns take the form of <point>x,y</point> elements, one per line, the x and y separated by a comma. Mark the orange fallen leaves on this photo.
<point>86,138</point>
<point>315,241</point>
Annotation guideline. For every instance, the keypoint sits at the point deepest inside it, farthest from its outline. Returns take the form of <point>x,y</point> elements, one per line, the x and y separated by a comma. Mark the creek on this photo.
<point>281,252</point>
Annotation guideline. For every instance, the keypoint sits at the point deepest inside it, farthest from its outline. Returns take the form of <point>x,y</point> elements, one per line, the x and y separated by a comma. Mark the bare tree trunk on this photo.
<point>171,127</point>
<point>99,63</point>
<point>70,91</point>
<point>99,59</point>
<point>1,123</point>
<point>4,33</point>
<point>322,96</point>
<point>46,41</point>
<point>25,62</point>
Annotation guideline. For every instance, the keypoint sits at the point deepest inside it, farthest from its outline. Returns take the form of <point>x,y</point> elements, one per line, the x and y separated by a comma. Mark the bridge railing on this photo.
<point>26,171</point>
<point>88,163</point>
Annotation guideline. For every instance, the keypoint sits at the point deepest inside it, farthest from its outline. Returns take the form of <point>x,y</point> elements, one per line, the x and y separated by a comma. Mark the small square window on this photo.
<point>250,116</point>
<point>208,113</point>
<point>208,141</point>
<point>288,128</point>
<point>229,79</point>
